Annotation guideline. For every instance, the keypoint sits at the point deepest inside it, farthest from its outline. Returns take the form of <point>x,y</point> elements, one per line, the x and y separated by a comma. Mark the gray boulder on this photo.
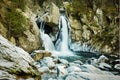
<point>14,60</point>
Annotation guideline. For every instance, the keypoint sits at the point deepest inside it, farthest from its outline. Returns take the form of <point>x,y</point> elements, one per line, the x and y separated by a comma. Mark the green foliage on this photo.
<point>15,23</point>
<point>78,7</point>
<point>19,4</point>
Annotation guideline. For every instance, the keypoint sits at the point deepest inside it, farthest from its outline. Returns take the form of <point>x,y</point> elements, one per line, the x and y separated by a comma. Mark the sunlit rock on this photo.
<point>14,60</point>
<point>6,75</point>
<point>40,54</point>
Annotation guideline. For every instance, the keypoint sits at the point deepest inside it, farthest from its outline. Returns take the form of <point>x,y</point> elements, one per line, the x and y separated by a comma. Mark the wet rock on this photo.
<point>102,59</point>
<point>90,76</point>
<point>78,62</point>
<point>117,61</point>
<point>73,69</point>
<point>40,54</point>
<point>90,69</point>
<point>48,61</point>
<point>44,69</point>
<point>104,66</point>
<point>74,64</point>
<point>52,79</point>
<point>73,76</point>
<point>63,61</point>
<point>61,70</point>
<point>117,67</point>
<point>94,61</point>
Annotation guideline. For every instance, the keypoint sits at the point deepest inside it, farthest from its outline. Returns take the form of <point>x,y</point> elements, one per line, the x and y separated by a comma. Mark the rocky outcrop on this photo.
<point>92,24</point>
<point>15,63</point>
<point>29,38</point>
<point>40,54</point>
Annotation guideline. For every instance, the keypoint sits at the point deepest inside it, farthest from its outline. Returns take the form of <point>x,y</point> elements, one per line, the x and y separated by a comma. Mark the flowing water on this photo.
<point>62,45</point>
<point>47,42</point>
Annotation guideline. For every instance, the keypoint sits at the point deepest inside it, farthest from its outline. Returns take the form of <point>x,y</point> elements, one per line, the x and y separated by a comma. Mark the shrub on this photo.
<point>15,23</point>
<point>19,4</point>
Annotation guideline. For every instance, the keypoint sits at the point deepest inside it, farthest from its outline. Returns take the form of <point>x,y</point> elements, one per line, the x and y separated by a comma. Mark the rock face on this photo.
<point>40,54</point>
<point>30,38</point>
<point>15,61</point>
<point>92,24</point>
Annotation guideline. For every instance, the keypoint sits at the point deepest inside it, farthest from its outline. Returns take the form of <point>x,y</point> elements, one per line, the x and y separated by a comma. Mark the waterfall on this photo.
<point>62,43</point>
<point>64,36</point>
<point>61,46</point>
<point>47,42</point>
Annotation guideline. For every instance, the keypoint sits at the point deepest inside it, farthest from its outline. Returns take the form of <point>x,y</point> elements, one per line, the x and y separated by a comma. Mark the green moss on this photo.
<point>15,23</point>
<point>19,4</point>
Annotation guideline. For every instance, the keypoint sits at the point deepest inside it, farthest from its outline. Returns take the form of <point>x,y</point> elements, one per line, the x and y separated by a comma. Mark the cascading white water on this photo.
<point>64,34</point>
<point>62,44</point>
<point>47,42</point>
<point>63,38</point>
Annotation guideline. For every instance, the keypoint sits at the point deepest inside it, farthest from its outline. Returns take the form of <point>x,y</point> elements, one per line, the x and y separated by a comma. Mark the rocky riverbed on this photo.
<point>16,64</point>
<point>57,68</point>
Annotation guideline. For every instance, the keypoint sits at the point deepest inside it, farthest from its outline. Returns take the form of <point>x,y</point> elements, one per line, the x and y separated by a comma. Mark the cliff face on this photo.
<point>94,23</point>
<point>17,23</point>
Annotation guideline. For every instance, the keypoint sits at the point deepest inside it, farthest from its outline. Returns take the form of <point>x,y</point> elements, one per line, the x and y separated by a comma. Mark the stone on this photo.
<point>86,33</point>
<point>73,69</point>
<point>3,30</point>
<point>73,76</point>
<point>63,61</point>
<point>104,66</point>
<point>61,70</point>
<point>12,39</point>
<point>40,54</point>
<point>75,24</point>
<point>53,17</point>
<point>78,62</point>
<point>48,61</point>
<point>74,64</point>
<point>107,49</point>
<point>6,75</point>
<point>90,76</point>
<point>102,59</point>
<point>15,60</point>
<point>117,67</point>
<point>31,40</point>
<point>44,69</point>
<point>52,79</point>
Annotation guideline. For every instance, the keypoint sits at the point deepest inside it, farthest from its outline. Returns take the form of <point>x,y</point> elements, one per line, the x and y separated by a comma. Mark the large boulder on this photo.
<point>31,39</point>
<point>54,14</point>
<point>15,61</point>
<point>48,61</point>
<point>40,54</point>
